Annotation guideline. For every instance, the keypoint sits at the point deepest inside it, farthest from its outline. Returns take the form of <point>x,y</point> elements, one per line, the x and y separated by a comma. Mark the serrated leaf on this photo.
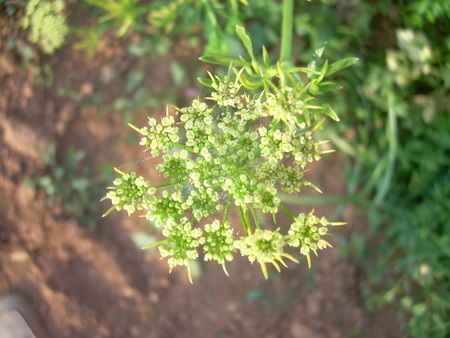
<point>337,66</point>
<point>224,61</point>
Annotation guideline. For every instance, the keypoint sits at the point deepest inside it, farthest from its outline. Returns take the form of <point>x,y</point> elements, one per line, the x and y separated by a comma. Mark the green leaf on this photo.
<point>205,82</point>
<point>250,85</point>
<point>266,58</point>
<point>316,56</point>
<point>322,72</point>
<point>329,86</point>
<point>300,70</point>
<point>246,41</point>
<point>330,112</point>
<point>337,66</point>
<point>224,61</point>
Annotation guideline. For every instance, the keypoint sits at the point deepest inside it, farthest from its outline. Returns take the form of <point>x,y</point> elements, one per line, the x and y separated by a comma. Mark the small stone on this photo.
<point>153,297</point>
<point>86,89</point>
<point>19,256</point>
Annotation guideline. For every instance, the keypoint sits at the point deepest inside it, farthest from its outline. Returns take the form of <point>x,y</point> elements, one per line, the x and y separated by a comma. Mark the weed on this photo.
<point>70,185</point>
<point>47,22</point>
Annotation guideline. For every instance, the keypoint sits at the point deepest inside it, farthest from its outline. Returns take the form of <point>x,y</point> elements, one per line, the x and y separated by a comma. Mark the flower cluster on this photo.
<point>240,153</point>
<point>160,137</point>
<point>47,22</point>
<point>306,232</point>
<point>285,106</point>
<point>219,242</point>
<point>225,91</point>
<point>264,246</point>
<point>181,243</point>
<point>130,193</point>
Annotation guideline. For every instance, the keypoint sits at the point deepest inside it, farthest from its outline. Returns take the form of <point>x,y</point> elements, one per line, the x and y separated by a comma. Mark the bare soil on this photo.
<point>98,283</point>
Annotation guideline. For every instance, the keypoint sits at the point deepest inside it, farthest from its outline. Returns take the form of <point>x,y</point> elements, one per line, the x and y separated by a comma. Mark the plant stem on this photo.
<point>287,212</point>
<point>286,30</point>
<point>227,208</point>
<point>255,217</point>
<point>181,145</point>
<point>244,220</point>
<point>165,185</point>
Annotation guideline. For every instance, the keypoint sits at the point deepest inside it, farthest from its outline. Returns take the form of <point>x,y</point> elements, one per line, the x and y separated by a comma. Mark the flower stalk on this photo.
<point>286,30</point>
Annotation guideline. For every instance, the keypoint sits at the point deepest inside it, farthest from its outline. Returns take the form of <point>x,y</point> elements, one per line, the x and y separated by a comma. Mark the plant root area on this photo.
<point>98,282</point>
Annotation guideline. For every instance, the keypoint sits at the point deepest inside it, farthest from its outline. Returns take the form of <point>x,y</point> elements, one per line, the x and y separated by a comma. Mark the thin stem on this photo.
<point>181,145</point>
<point>244,219</point>
<point>255,217</point>
<point>227,209</point>
<point>286,31</point>
<point>287,212</point>
<point>165,185</point>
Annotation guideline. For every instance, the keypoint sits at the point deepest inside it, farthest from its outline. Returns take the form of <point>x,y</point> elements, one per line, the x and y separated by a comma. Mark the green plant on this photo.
<point>210,21</point>
<point>69,185</point>
<point>123,14</point>
<point>251,144</point>
<point>89,39</point>
<point>47,22</point>
<point>395,133</point>
<point>216,19</point>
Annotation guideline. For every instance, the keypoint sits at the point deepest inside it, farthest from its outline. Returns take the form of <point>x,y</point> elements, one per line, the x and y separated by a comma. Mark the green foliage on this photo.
<point>122,14</point>
<point>418,14</point>
<point>70,185</point>
<point>216,19</point>
<point>212,21</point>
<point>90,39</point>
<point>47,22</point>
<point>398,120</point>
<point>252,142</point>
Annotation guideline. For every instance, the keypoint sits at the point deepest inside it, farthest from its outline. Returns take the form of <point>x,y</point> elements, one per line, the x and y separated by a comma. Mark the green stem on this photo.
<point>244,220</point>
<point>286,31</point>
<point>227,209</point>
<point>287,212</point>
<point>180,145</point>
<point>255,217</point>
<point>165,185</point>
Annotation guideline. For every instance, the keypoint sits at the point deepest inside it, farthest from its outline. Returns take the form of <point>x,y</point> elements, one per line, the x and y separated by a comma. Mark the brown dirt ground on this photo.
<point>98,283</point>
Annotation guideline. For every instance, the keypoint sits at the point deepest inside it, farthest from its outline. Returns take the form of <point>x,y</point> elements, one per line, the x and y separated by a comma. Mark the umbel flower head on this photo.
<point>47,22</point>
<point>238,149</point>
<point>306,232</point>
<point>264,246</point>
